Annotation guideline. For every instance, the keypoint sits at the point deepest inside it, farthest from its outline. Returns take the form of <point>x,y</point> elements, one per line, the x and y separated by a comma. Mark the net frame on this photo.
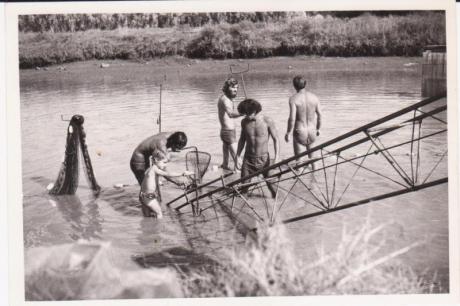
<point>197,162</point>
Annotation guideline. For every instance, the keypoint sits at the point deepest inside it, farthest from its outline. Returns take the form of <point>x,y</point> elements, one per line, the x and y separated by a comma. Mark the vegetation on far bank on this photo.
<point>299,34</point>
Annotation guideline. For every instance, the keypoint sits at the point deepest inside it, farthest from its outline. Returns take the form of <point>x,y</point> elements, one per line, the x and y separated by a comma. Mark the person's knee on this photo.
<point>156,209</point>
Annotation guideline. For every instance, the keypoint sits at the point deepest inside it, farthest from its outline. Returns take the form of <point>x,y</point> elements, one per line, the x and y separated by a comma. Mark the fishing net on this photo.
<point>67,180</point>
<point>198,162</point>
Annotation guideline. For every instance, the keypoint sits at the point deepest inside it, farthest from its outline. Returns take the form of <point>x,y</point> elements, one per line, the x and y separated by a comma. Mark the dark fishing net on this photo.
<point>198,162</point>
<point>67,180</point>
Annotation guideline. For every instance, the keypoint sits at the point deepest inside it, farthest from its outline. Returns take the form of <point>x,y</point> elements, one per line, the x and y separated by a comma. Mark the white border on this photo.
<point>16,256</point>
<point>3,210</point>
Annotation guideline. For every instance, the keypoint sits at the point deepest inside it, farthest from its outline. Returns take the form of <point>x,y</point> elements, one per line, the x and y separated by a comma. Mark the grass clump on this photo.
<point>269,267</point>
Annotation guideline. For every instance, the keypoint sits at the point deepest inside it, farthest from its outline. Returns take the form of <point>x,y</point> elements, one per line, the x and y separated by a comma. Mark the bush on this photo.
<point>269,267</point>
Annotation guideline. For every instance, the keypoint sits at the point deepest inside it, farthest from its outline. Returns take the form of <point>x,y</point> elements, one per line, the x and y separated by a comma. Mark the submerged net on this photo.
<point>67,180</point>
<point>198,162</point>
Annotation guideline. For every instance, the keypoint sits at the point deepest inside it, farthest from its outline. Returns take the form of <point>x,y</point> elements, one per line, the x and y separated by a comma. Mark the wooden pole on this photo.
<point>159,116</point>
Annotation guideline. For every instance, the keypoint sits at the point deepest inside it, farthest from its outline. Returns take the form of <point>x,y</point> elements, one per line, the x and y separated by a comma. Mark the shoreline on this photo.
<point>180,66</point>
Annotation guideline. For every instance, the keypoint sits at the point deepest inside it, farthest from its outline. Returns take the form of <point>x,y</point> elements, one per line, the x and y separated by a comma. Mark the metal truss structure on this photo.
<point>400,153</point>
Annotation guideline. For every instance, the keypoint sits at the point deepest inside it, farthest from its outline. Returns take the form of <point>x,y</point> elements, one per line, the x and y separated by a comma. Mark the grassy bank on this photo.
<point>269,267</point>
<point>265,267</point>
<point>365,35</point>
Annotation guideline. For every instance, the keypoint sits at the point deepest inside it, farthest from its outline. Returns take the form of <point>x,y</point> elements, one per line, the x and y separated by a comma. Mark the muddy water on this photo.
<point>121,106</point>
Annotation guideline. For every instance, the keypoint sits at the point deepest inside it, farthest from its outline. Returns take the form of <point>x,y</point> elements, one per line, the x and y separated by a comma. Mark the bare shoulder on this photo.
<point>311,97</point>
<point>223,100</point>
<point>269,121</point>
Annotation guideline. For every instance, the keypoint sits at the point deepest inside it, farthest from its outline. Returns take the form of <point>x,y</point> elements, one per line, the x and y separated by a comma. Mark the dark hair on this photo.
<point>299,82</point>
<point>229,82</point>
<point>176,141</point>
<point>77,119</point>
<point>249,106</point>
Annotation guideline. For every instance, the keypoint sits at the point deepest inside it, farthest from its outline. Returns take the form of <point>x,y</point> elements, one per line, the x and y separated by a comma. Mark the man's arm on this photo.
<point>228,108</point>
<point>274,134</point>
<point>319,116</point>
<point>242,140</point>
<point>171,174</point>
<point>291,120</point>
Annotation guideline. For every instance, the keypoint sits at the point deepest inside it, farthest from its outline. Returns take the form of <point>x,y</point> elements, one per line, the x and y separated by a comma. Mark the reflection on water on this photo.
<point>121,109</point>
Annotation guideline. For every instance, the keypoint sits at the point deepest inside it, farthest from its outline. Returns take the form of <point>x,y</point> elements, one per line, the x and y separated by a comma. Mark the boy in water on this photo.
<point>227,125</point>
<point>150,196</point>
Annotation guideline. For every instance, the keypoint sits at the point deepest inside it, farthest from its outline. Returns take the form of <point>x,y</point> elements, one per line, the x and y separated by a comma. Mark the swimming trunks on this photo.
<point>252,164</point>
<point>148,195</point>
<point>228,136</point>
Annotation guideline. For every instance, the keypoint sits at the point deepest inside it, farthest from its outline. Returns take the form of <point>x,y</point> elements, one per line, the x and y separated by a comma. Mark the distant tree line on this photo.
<point>83,22</point>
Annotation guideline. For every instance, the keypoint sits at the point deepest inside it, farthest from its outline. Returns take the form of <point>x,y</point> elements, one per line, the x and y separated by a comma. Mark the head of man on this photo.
<point>249,108</point>
<point>299,82</point>
<point>176,141</point>
<point>230,87</point>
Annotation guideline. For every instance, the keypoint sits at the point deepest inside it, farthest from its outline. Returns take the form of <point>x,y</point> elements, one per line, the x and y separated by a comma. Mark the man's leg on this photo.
<point>138,170</point>
<point>225,149</point>
<point>310,156</point>
<point>271,186</point>
<point>232,149</point>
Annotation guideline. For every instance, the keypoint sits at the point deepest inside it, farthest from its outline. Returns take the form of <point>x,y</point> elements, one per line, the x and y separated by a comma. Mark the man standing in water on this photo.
<point>303,106</point>
<point>227,124</point>
<point>255,132</point>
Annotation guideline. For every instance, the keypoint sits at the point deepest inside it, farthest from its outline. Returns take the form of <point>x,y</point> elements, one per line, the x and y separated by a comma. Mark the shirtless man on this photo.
<point>162,142</point>
<point>303,107</point>
<point>255,132</point>
<point>150,196</point>
<point>227,125</point>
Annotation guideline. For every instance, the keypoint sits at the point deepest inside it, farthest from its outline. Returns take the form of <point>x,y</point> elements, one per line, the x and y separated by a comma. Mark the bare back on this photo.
<point>306,104</point>
<point>225,107</point>
<point>305,112</point>
<point>150,182</point>
<point>151,144</point>
<point>256,135</point>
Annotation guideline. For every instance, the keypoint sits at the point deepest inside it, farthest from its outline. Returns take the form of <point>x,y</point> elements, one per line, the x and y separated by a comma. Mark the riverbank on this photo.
<point>175,66</point>
<point>365,35</point>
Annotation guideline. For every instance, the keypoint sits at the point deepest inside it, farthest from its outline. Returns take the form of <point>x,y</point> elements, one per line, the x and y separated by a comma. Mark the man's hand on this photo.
<point>286,137</point>
<point>317,132</point>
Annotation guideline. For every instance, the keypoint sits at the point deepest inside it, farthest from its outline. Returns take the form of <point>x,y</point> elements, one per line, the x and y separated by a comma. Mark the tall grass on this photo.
<point>365,35</point>
<point>269,267</point>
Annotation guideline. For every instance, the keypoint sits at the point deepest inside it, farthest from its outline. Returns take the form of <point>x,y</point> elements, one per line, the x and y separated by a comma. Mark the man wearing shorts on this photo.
<point>256,129</point>
<point>227,126</point>
<point>304,117</point>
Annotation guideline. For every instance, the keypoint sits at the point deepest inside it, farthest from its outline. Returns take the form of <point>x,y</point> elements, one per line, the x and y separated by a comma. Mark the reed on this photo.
<point>269,267</point>
<point>365,35</point>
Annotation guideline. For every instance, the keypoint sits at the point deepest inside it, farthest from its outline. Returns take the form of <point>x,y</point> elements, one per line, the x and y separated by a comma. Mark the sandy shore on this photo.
<point>184,67</point>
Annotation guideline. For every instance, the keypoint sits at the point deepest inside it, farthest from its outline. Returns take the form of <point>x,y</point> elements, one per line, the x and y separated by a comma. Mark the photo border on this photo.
<point>14,162</point>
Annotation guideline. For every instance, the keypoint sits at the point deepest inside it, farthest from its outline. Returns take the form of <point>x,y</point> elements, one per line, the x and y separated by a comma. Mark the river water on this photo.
<point>120,105</point>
